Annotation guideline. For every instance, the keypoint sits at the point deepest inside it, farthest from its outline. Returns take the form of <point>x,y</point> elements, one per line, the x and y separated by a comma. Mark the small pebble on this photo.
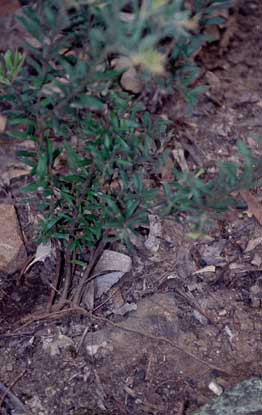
<point>215,388</point>
<point>199,317</point>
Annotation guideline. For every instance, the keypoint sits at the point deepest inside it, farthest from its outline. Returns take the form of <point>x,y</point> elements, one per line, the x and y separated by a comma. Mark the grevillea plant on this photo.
<point>97,151</point>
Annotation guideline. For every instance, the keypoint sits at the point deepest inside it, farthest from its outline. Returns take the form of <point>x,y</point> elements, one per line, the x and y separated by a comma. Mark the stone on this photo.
<point>54,346</point>
<point>243,399</point>
<point>12,250</point>
<point>130,80</point>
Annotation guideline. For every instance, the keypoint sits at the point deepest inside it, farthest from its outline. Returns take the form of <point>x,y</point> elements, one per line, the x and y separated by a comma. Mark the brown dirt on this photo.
<point>190,327</point>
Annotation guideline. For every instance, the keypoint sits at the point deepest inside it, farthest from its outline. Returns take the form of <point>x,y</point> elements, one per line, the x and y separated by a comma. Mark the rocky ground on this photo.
<point>184,324</point>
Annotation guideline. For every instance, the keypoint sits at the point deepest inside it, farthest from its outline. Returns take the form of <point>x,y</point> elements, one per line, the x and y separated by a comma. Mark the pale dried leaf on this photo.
<point>253,244</point>
<point>179,156</point>
<point>43,251</point>
<point>155,232</point>
<point>209,268</point>
<point>113,261</point>
<point>254,206</point>
<point>118,264</point>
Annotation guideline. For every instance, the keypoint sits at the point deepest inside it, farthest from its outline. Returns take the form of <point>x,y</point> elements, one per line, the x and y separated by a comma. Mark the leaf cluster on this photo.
<point>98,153</point>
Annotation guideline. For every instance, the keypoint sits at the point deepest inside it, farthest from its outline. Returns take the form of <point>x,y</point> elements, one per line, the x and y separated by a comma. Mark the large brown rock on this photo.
<point>12,249</point>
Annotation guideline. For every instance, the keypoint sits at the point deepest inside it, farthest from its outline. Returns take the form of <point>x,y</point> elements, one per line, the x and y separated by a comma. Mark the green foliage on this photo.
<point>11,66</point>
<point>205,199</point>
<point>96,148</point>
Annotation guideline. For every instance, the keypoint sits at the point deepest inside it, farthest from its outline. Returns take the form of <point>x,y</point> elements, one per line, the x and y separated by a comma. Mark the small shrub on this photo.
<point>97,149</point>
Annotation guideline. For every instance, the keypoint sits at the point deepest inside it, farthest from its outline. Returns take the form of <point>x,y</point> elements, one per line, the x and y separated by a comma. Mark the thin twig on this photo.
<point>82,339</point>
<point>195,306</point>
<point>67,279</point>
<point>7,393</point>
<point>106,300</point>
<point>82,311</point>
<point>159,339</point>
<point>87,273</point>
<point>21,277</point>
<point>54,288</point>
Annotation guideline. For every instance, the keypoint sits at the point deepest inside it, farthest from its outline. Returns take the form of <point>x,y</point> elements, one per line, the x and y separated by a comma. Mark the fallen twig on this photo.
<point>7,393</point>
<point>82,311</point>
<point>159,339</point>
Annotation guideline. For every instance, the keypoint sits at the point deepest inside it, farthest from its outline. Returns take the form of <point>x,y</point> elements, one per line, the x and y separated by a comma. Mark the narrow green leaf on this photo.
<point>33,187</point>
<point>88,101</point>
<point>78,262</point>
<point>41,169</point>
